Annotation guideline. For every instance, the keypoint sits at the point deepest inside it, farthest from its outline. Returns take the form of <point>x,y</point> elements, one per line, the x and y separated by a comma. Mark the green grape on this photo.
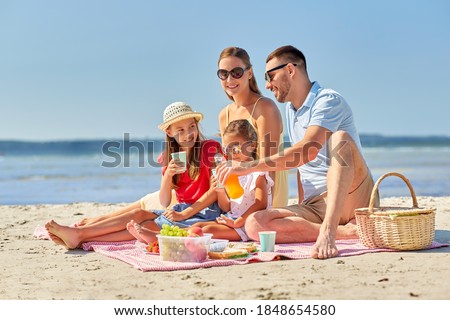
<point>173,231</point>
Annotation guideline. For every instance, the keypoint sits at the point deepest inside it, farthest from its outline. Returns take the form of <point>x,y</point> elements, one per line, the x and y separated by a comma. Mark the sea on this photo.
<point>117,171</point>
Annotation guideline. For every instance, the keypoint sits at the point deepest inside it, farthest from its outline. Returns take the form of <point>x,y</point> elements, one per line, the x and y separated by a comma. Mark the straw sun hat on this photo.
<point>178,111</point>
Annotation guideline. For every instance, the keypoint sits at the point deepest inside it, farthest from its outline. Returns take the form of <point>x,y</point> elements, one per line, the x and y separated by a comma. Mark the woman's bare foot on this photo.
<point>87,221</point>
<point>68,235</point>
<point>57,240</point>
<point>132,229</point>
<point>82,222</point>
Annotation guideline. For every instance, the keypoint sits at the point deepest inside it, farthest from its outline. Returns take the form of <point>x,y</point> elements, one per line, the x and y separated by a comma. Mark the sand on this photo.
<point>38,269</point>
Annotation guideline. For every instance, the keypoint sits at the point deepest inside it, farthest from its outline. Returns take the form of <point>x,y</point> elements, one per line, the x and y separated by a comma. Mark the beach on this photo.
<point>34,269</point>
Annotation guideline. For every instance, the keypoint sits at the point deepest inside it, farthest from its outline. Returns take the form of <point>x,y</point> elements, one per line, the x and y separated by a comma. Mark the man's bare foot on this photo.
<point>324,247</point>
<point>347,231</point>
<point>132,229</point>
<point>68,235</point>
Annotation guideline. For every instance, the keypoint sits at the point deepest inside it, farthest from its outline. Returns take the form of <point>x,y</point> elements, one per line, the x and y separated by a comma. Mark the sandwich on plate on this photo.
<point>234,251</point>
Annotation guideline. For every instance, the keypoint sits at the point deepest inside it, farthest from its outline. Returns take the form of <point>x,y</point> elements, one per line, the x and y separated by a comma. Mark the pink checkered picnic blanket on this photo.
<point>134,253</point>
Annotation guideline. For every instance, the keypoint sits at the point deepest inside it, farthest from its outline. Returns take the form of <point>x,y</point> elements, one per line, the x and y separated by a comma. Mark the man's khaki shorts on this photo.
<point>314,209</point>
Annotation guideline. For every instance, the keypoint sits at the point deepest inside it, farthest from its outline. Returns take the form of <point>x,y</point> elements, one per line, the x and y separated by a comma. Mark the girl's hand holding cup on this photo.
<point>179,159</point>
<point>218,187</point>
<point>175,167</point>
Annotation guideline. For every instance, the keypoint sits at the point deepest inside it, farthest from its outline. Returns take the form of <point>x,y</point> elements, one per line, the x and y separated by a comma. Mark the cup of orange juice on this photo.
<point>233,187</point>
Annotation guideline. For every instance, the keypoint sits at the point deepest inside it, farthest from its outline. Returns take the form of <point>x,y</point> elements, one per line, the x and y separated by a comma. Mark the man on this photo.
<point>326,149</point>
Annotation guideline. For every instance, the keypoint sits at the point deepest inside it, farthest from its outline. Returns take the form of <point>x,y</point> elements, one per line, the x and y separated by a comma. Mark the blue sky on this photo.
<point>97,69</point>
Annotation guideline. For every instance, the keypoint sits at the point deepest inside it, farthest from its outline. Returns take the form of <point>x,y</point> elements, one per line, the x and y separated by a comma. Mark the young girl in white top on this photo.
<point>240,141</point>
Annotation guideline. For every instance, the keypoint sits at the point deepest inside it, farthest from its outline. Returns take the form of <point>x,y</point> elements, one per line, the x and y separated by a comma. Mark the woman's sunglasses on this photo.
<point>236,73</point>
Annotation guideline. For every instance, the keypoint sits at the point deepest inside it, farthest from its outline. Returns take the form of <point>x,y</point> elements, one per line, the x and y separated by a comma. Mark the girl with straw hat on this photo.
<point>194,194</point>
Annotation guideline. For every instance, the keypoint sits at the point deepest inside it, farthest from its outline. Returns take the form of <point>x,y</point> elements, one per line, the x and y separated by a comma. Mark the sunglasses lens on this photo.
<point>237,72</point>
<point>232,149</point>
<point>222,74</point>
<point>267,77</point>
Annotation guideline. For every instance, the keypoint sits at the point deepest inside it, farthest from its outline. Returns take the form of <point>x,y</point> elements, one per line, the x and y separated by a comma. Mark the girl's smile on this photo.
<point>185,132</point>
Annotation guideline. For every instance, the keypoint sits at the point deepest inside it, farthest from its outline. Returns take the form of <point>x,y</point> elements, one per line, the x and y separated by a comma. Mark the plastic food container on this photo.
<point>183,249</point>
<point>218,245</point>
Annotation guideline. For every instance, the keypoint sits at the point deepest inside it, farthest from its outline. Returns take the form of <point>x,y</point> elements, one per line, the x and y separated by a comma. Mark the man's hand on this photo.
<point>225,169</point>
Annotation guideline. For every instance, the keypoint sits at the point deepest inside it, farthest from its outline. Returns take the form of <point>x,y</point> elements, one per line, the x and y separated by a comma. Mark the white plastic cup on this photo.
<point>180,156</point>
<point>267,240</point>
<point>219,185</point>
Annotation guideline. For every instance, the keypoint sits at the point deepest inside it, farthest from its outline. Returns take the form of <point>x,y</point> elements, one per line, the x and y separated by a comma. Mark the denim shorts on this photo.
<point>207,214</point>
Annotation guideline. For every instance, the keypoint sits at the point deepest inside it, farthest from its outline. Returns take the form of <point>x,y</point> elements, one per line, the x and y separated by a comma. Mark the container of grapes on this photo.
<point>177,245</point>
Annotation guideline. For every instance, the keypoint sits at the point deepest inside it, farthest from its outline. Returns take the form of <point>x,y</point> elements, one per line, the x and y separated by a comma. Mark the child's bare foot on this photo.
<point>132,229</point>
<point>68,235</point>
<point>146,235</point>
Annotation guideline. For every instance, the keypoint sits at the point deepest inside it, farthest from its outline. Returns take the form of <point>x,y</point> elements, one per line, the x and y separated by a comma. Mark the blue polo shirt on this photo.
<point>328,109</point>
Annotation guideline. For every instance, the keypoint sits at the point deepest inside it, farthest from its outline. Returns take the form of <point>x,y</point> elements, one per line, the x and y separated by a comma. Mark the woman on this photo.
<point>237,80</point>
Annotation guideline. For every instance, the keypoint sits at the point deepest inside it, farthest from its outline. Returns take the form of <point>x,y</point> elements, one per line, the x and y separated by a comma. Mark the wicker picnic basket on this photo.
<point>395,227</point>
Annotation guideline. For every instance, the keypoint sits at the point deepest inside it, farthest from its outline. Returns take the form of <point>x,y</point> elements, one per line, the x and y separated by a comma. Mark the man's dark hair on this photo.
<point>288,54</point>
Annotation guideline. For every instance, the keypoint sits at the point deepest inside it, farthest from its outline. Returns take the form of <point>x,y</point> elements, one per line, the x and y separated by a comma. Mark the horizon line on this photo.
<point>429,136</point>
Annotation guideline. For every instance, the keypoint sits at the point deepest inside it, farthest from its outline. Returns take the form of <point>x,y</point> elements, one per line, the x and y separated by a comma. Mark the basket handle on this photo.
<point>375,189</point>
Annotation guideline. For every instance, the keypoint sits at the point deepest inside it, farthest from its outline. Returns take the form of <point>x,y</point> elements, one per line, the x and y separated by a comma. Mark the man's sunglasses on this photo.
<point>267,75</point>
<point>236,73</point>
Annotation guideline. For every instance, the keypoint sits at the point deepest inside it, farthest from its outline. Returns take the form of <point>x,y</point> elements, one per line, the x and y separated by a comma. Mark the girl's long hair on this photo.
<point>245,58</point>
<point>194,160</point>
